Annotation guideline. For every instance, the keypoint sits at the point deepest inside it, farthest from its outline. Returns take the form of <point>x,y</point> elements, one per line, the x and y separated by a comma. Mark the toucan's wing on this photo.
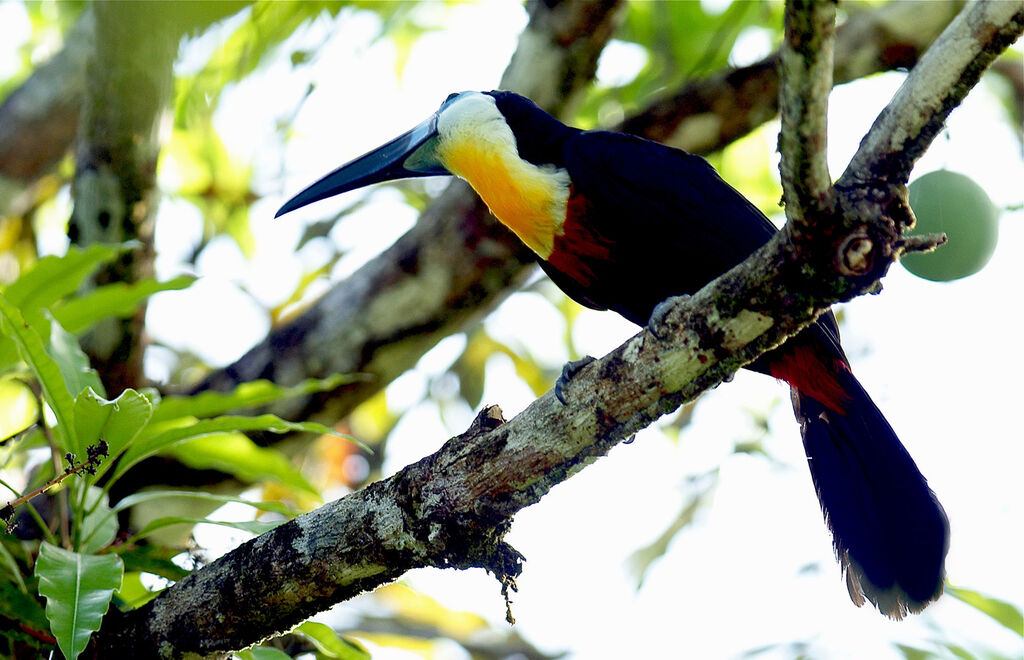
<point>671,222</point>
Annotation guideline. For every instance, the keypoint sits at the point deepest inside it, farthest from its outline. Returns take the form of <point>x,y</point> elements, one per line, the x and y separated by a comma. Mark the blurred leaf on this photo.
<point>98,529</point>
<point>269,24</point>
<point>117,422</point>
<point>247,395</point>
<point>263,653</point>
<point>471,366</point>
<point>424,610</point>
<point>913,653</point>
<point>78,589</point>
<point>161,437</point>
<point>329,643</point>
<point>119,299</point>
<point>237,455</point>
<point>53,278</point>
<point>133,593</point>
<point>641,560</point>
<point>153,559</point>
<point>1006,614</point>
<point>18,407</point>
<point>46,371</point>
<point>17,605</point>
<point>146,496</point>
<point>251,526</point>
<point>73,362</point>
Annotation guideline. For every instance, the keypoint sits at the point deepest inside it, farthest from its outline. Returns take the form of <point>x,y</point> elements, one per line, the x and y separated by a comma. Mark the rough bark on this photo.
<point>452,508</point>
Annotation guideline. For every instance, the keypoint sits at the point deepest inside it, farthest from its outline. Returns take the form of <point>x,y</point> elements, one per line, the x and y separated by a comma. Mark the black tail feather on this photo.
<point>889,531</point>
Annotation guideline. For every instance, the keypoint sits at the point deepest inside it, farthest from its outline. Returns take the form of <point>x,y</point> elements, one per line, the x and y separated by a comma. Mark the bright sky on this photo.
<point>941,359</point>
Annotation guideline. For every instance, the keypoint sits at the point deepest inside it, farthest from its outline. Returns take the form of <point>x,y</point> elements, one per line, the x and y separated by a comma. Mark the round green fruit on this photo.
<point>951,203</point>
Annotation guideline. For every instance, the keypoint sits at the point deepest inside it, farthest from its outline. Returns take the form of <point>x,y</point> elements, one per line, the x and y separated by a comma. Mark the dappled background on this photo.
<point>700,538</point>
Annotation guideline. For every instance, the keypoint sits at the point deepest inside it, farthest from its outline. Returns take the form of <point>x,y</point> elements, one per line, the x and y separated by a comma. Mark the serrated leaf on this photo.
<point>1005,613</point>
<point>73,362</point>
<point>117,422</point>
<point>120,299</point>
<point>161,437</point>
<point>45,369</point>
<point>77,589</point>
<point>237,455</point>
<point>247,395</point>
<point>329,643</point>
<point>53,278</point>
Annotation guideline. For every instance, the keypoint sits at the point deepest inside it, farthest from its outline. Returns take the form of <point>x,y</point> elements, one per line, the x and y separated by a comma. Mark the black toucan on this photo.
<point>622,223</point>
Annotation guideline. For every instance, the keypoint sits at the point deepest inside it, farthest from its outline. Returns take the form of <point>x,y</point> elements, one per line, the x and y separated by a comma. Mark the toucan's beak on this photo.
<point>408,155</point>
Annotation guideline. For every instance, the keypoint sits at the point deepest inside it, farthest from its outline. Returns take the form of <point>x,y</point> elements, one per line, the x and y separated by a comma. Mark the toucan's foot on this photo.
<point>655,324</point>
<point>568,371</point>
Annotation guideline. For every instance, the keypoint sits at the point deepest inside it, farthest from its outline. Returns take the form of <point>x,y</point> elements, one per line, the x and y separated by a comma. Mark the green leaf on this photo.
<point>247,395</point>
<point>237,455</point>
<point>119,299</point>
<point>164,495</point>
<point>161,437</point>
<point>328,642</point>
<point>98,528</point>
<point>263,653</point>
<point>53,278</point>
<point>133,593</point>
<point>18,407</point>
<point>1007,614</point>
<point>139,498</point>
<point>78,589</point>
<point>73,362</point>
<point>19,606</point>
<point>256,527</point>
<point>154,559</point>
<point>117,422</point>
<point>30,347</point>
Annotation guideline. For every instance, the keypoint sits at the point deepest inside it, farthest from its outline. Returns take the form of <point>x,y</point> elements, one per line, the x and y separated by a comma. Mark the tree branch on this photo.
<point>946,73</point>
<point>806,61</point>
<point>706,115</point>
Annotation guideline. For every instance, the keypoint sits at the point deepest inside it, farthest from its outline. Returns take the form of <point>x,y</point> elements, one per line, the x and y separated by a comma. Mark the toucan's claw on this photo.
<point>656,324</point>
<point>568,372</point>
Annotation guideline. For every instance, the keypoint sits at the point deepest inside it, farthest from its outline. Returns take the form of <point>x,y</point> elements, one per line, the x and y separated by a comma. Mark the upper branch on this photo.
<point>946,73</point>
<point>806,62</point>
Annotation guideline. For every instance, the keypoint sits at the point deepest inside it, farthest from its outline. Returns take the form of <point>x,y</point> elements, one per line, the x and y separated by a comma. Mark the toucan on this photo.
<point>622,223</point>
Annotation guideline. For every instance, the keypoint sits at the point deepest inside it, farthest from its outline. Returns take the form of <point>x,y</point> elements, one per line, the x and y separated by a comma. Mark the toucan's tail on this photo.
<point>889,530</point>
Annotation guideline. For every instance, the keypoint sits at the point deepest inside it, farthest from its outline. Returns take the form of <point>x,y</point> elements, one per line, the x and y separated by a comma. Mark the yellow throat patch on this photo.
<point>528,199</point>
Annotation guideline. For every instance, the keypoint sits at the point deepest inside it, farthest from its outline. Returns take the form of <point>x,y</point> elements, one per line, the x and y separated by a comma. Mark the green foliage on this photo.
<point>98,439</point>
<point>120,300</point>
<point>77,588</point>
<point>329,644</point>
<point>1004,613</point>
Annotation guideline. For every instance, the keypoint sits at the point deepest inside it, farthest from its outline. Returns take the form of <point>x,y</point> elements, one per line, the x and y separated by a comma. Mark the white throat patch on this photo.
<point>476,144</point>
